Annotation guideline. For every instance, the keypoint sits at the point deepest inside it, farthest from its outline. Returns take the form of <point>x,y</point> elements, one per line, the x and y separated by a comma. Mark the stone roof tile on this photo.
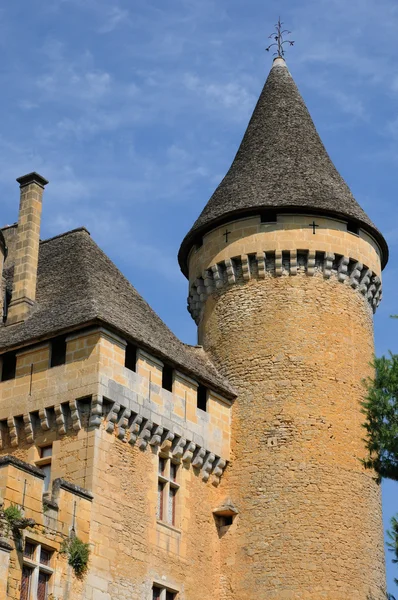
<point>79,285</point>
<point>281,164</point>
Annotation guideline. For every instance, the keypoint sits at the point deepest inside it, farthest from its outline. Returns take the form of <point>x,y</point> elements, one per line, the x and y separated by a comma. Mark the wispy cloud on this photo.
<point>116,16</point>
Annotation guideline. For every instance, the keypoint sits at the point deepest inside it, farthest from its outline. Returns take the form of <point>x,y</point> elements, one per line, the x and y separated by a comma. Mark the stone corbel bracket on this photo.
<point>136,430</point>
<point>25,428</point>
<point>129,426</point>
<point>280,263</point>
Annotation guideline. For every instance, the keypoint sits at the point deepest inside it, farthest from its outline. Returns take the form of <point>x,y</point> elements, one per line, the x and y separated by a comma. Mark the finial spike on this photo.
<point>279,41</point>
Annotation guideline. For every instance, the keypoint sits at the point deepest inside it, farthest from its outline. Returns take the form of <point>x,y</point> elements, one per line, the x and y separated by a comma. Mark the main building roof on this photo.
<point>78,285</point>
<point>281,164</point>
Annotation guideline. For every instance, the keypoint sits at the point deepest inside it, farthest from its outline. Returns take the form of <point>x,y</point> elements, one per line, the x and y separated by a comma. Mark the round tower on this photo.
<point>284,276</point>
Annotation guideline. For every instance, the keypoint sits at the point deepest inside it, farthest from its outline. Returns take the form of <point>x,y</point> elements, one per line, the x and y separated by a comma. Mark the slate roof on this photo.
<point>79,285</point>
<point>281,164</point>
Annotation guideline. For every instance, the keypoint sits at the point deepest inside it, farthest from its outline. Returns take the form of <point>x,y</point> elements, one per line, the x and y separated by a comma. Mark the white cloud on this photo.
<point>220,96</point>
<point>115,17</point>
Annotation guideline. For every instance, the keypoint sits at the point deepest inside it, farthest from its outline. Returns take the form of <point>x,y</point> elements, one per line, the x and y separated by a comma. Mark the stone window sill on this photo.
<point>168,526</point>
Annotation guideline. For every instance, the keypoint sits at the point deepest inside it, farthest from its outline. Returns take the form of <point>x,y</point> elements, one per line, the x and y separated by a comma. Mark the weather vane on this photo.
<point>279,41</point>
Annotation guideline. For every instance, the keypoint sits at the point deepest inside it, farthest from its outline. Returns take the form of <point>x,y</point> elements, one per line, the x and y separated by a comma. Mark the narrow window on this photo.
<point>269,216</point>
<point>160,505</point>
<point>58,351</point>
<point>26,581</point>
<point>36,572</point>
<point>42,586</point>
<point>9,364</point>
<point>352,228</point>
<point>156,591</point>
<point>225,521</point>
<point>171,508</point>
<point>168,487</point>
<point>44,463</point>
<point>130,359</point>
<point>167,378</point>
<point>202,397</point>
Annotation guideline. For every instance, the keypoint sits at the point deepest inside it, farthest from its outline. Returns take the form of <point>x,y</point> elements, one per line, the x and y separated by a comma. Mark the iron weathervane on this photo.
<point>279,41</point>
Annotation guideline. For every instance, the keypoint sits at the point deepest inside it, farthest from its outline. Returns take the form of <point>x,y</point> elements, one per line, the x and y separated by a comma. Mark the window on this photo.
<point>8,366</point>
<point>167,378</point>
<point>269,216</point>
<point>352,228</point>
<point>44,463</point>
<point>130,359</point>
<point>36,572</point>
<point>201,400</point>
<point>58,351</point>
<point>168,488</point>
<point>161,593</point>
<point>225,521</point>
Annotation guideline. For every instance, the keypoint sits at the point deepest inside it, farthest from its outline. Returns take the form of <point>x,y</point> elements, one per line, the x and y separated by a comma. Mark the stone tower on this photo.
<point>284,276</point>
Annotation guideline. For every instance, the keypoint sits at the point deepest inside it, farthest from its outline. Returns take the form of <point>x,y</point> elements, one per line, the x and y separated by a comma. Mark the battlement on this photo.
<point>281,263</point>
<point>94,390</point>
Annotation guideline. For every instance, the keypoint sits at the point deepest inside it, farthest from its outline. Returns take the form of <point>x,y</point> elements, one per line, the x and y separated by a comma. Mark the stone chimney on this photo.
<point>27,247</point>
<point>3,256</point>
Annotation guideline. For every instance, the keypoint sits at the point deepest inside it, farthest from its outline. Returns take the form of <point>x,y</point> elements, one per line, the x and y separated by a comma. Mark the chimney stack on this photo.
<point>3,256</point>
<point>27,247</point>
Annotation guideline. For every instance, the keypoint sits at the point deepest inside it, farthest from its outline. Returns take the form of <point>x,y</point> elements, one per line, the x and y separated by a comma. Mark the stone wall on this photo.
<point>309,523</point>
<point>289,232</point>
<point>107,426</point>
<point>68,509</point>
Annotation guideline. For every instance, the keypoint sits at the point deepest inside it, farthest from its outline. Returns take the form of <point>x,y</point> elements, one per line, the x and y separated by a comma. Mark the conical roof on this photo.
<point>281,164</point>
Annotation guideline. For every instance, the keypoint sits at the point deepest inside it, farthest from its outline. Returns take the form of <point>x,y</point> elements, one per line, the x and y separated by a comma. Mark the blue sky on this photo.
<point>134,110</point>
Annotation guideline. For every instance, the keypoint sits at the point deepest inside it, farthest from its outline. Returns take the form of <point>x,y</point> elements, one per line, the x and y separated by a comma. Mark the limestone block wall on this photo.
<point>249,249</point>
<point>41,404</point>
<point>286,315</point>
<point>108,426</point>
<point>289,232</point>
<point>68,509</point>
<point>309,523</point>
<point>136,550</point>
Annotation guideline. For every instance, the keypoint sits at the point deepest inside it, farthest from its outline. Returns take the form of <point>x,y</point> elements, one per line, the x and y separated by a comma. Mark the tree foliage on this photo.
<point>381,410</point>
<point>381,424</point>
<point>392,543</point>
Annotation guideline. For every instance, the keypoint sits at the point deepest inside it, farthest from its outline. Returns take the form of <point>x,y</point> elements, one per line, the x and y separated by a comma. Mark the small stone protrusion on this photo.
<point>311,263</point>
<point>342,269</point>
<point>278,263</point>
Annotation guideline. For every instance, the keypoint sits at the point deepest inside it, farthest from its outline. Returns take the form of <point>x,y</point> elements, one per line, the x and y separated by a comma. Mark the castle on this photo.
<point>224,471</point>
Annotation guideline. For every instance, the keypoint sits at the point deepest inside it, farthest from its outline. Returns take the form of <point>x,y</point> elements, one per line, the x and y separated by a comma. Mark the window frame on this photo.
<point>163,592</point>
<point>169,485</point>
<point>202,397</point>
<point>168,378</point>
<point>37,567</point>
<point>45,460</point>
<point>57,358</point>
<point>10,360</point>
<point>131,357</point>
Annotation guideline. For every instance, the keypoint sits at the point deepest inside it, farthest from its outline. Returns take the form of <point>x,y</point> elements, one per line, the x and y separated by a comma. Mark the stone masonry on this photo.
<point>225,471</point>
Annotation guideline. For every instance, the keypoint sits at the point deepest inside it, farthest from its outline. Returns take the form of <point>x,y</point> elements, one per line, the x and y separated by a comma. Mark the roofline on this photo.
<point>3,244</point>
<point>9,226</point>
<point>226,393</point>
<point>60,235</point>
<point>194,235</point>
